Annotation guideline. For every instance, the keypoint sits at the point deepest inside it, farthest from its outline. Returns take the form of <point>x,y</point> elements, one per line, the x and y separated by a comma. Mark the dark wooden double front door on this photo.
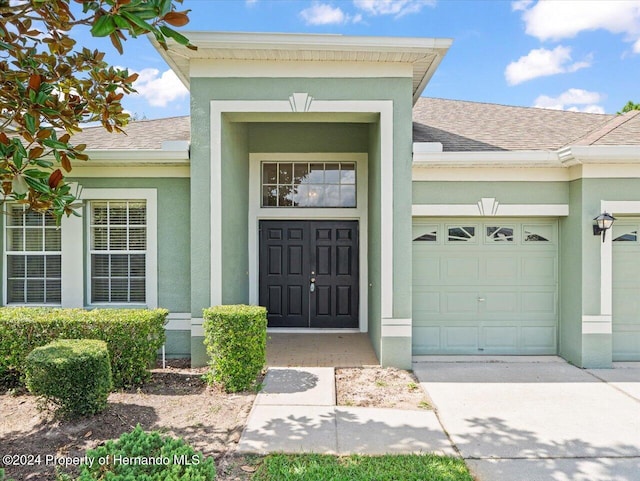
<point>309,273</point>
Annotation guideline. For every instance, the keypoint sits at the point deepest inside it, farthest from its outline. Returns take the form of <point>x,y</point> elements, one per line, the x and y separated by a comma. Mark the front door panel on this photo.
<point>309,273</point>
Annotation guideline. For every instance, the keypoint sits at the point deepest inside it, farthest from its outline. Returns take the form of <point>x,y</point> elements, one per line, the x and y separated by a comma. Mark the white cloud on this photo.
<point>560,19</point>
<point>159,89</point>
<point>520,5</point>
<point>541,63</point>
<point>324,14</point>
<point>575,100</point>
<point>397,8</point>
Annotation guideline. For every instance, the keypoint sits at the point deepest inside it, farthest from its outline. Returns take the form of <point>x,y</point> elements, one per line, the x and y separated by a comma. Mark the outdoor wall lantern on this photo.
<point>603,223</point>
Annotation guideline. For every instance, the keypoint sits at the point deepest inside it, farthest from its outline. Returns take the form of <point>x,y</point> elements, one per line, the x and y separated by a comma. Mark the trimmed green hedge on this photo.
<point>149,457</point>
<point>74,374</point>
<point>133,337</point>
<point>236,339</point>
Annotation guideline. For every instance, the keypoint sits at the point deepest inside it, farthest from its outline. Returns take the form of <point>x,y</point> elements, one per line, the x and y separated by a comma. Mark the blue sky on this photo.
<point>573,55</point>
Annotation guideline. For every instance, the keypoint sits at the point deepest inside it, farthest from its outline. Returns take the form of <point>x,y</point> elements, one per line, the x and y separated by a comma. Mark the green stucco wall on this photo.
<point>441,192</point>
<point>235,208</point>
<point>178,344</point>
<point>308,137</point>
<point>570,329</point>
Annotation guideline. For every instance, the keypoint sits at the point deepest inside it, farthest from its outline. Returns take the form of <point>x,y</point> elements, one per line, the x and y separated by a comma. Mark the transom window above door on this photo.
<point>308,184</point>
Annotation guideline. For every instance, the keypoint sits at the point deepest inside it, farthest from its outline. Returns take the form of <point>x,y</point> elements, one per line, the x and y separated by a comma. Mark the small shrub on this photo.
<point>236,338</point>
<point>148,456</point>
<point>74,374</point>
<point>133,337</point>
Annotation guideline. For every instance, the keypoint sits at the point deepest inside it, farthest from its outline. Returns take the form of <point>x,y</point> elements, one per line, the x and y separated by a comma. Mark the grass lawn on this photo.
<point>315,467</point>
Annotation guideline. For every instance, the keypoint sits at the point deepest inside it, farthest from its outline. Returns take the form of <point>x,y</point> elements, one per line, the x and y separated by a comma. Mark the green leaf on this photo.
<point>45,164</point>
<point>104,26</point>
<point>54,144</point>
<point>30,123</point>
<point>136,20</point>
<point>36,174</point>
<point>181,39</point>
<point>38,186</point>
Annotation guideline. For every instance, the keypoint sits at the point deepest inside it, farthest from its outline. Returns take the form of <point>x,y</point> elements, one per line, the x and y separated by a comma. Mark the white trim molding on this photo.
<point>384,111</point>
<point>489,206</point>
<point>258,213</point>
<point>395,327</point>
<point>197,328</point>
<point>596,325</point>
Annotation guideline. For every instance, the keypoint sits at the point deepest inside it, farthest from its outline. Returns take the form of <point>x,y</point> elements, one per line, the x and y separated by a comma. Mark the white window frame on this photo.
<point>6,253</point>
<point>76,259</point>
<point>108,251</point>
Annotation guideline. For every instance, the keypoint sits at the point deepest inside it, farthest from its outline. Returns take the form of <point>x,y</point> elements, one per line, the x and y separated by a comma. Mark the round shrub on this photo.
<point>149,457</point>
<point>74,374</point>
<point>236,339</point>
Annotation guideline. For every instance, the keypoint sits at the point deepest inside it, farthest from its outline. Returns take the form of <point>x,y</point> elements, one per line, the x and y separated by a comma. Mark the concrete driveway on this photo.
<point>538,419</point>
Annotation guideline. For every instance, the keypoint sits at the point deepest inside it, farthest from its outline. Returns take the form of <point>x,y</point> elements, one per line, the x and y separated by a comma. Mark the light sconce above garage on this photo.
<point>603,223</point>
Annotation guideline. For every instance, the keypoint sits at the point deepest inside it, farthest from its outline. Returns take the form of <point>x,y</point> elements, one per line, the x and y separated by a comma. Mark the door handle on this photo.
<point>312,287</point>
<point>480,299</point>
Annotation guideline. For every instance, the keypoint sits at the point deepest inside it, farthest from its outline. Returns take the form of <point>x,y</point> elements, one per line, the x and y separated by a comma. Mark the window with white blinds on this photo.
<point>118,251</point>
<point>33,257</point>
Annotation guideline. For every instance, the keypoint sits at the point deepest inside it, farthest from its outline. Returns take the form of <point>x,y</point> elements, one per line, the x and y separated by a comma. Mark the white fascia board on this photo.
<point>521,158</point>
<point>599,154</point>
<point>430,72</point>
<point>110,157</point>
<point>280,41</point>
<point>427,147</point>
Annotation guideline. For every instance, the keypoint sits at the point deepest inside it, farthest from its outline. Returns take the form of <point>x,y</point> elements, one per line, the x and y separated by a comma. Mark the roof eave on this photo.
<point>599,154</point>
<point>139,157</point>
<point>519,158</point>
<point>296,42</point>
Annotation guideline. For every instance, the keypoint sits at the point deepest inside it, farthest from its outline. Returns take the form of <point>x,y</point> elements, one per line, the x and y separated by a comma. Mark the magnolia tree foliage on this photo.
<point>49,86</point>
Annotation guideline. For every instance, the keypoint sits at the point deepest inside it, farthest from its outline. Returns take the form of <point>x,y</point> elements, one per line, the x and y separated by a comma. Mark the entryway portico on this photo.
<point>298,101</point>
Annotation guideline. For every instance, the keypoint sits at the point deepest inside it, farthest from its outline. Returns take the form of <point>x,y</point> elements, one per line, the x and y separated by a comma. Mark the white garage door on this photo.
<point>626,290</point>
<point>485,286</point>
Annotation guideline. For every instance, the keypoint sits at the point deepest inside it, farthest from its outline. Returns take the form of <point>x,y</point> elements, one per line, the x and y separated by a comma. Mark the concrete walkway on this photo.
<point>538,419</point>
<point>296,412</point>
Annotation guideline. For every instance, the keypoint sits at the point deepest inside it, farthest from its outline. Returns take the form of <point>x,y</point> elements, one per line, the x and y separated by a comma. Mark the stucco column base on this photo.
<point>198,352</point>
<point>597,351</point>
<point>395,352</point>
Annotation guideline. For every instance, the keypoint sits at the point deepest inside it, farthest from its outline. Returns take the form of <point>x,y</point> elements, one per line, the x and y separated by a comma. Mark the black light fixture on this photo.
<point>603,223</point>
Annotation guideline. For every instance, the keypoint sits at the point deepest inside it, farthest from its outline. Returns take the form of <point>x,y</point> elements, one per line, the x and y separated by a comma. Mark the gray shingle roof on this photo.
<point>624,131</point>
<point>459,125</point>
<point>473,126</point>
<point>141,135</point>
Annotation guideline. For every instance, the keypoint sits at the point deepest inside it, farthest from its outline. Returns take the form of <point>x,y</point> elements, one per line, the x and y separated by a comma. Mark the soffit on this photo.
<point>424,54</point>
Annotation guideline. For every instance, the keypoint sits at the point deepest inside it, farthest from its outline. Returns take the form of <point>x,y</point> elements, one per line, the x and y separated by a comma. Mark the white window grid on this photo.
<point>123,285</point>
<point>32,244</point>
<point>299,192</point>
